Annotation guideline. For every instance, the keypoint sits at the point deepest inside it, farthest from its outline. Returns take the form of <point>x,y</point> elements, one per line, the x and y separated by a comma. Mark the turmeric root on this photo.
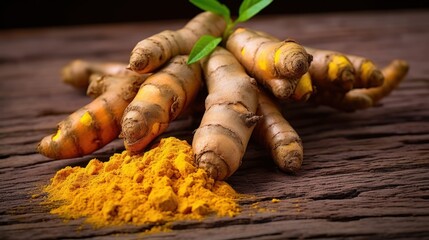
<point>96,124</point>
<point>277,135</point>
<point>160,99</point>
<point>331,70</point>
<point>152,52</point>
<point>367,74</point>
<point>334,71</point>
<point>221,140</point>
<point>304,89</point>
<point>393,74</point>
<point>342,72</point>
<point>277,65</point>
<point>78,72</point>
<point>362,98</point>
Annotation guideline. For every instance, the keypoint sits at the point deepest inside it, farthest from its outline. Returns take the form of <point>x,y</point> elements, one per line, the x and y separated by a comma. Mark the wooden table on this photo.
<point>365,174</point>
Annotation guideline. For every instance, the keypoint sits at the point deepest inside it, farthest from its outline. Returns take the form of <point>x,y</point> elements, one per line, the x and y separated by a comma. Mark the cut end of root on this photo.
<point>346,81</point>
<point>282,88</point>
<point>289,157</point>
<point>43,146</point>
<point>294,65</point>
<point>215,167</point>
<point>304,89</point>
<point>134,127</point>
<point>52,149</point>
<point>138,61</point>
<point>397,69</point>
<point>76,74</point>
<point>376,79</point>
<point>402,64</point>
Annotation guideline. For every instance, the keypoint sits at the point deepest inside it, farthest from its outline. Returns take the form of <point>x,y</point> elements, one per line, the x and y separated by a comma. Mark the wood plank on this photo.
<point>365,174</point>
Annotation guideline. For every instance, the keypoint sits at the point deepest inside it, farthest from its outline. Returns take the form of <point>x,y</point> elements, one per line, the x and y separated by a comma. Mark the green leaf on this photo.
<point>203,47</point>
<point>245,5</point>
<point>250,8</point>
<point>213,6</point>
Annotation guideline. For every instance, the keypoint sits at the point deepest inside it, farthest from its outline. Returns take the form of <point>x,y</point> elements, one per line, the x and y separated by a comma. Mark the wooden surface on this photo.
<point>365,174</point>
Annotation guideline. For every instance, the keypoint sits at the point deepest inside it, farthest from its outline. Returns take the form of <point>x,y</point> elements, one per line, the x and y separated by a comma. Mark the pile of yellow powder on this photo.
<point>161,186</point>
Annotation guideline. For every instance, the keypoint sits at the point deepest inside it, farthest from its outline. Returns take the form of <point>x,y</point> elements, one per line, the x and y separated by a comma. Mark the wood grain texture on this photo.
<point>365,174</point>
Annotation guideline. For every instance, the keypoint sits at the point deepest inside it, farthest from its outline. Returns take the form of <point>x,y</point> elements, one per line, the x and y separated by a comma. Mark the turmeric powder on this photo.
<point>157,187</point>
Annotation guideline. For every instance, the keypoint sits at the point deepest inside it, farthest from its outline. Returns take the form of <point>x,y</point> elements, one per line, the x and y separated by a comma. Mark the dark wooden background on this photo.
<point>42,13</point>
<point>365,174</point>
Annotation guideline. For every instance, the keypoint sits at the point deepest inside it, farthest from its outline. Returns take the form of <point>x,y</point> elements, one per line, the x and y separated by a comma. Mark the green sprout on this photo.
<point>207,43</point>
